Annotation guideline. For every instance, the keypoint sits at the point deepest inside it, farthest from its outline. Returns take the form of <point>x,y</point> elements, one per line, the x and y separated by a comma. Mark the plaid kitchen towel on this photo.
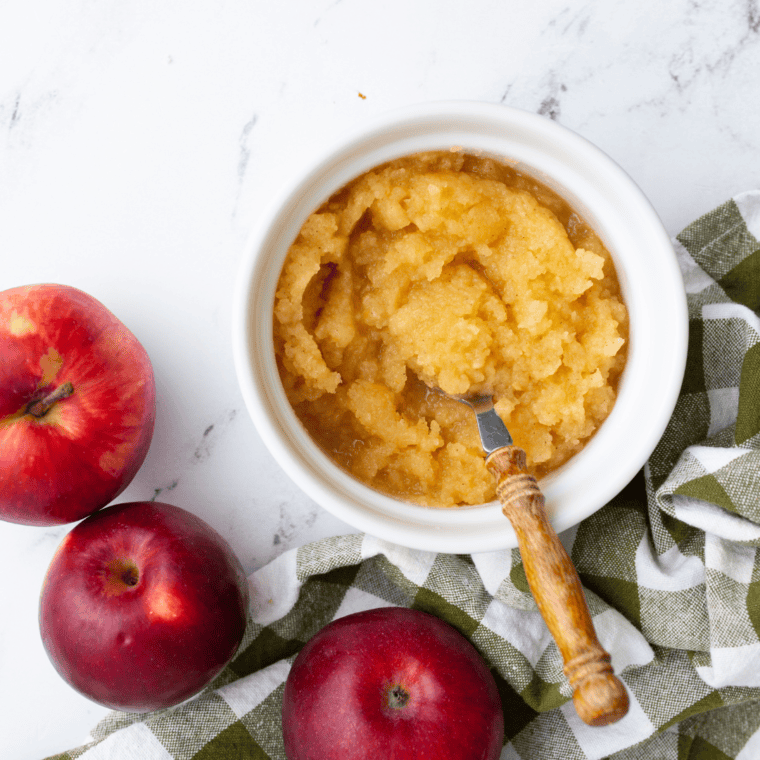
<point>671,570</point>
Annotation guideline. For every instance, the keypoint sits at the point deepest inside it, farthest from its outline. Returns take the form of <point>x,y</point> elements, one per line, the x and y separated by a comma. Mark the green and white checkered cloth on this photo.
<point>670,567</point>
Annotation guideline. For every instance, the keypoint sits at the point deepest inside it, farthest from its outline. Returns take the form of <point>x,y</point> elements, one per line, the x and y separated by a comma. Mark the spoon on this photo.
<point>598,695</point>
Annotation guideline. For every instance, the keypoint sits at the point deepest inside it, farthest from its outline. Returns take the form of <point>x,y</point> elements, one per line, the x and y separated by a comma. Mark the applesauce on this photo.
<point>447,270</point>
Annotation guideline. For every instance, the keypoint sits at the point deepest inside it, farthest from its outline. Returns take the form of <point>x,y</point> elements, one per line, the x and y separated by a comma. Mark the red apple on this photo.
<point>142,606</point>
<point>77,405</point>
<point>391,682</point>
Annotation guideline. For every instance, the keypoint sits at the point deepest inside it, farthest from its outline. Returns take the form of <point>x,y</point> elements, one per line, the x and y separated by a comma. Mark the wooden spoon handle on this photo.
<point>599,696</point>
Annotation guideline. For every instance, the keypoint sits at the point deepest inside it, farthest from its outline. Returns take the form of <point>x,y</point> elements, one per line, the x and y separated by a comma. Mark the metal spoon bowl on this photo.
<point>493,432</point>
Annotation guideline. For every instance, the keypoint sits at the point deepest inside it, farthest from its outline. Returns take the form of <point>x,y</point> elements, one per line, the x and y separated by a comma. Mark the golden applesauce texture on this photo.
<point>447,270</point>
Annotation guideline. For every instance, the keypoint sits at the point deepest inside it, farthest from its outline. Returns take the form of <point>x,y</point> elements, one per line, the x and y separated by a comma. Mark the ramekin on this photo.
<point>609,201</point>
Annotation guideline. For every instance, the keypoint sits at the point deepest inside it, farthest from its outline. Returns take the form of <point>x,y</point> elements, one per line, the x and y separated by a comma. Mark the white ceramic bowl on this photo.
<point>602,194</point>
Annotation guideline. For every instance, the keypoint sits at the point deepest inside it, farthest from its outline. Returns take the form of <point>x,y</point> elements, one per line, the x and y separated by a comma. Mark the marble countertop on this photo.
<point>138,140</point>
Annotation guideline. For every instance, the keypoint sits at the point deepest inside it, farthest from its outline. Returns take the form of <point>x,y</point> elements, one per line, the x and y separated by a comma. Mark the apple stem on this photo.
<point>42,406</point>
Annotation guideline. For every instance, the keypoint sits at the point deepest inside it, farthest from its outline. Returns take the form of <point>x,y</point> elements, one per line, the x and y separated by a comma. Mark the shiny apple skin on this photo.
<point>335,698</point>
<point>155,643</point>
<point>84,452</point>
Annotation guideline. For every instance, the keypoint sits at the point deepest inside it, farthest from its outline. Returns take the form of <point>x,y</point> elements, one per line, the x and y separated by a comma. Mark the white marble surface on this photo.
<point>138,139</point>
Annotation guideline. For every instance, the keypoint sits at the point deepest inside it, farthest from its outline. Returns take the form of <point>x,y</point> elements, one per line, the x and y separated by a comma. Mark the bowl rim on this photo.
<point>596,187</point>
